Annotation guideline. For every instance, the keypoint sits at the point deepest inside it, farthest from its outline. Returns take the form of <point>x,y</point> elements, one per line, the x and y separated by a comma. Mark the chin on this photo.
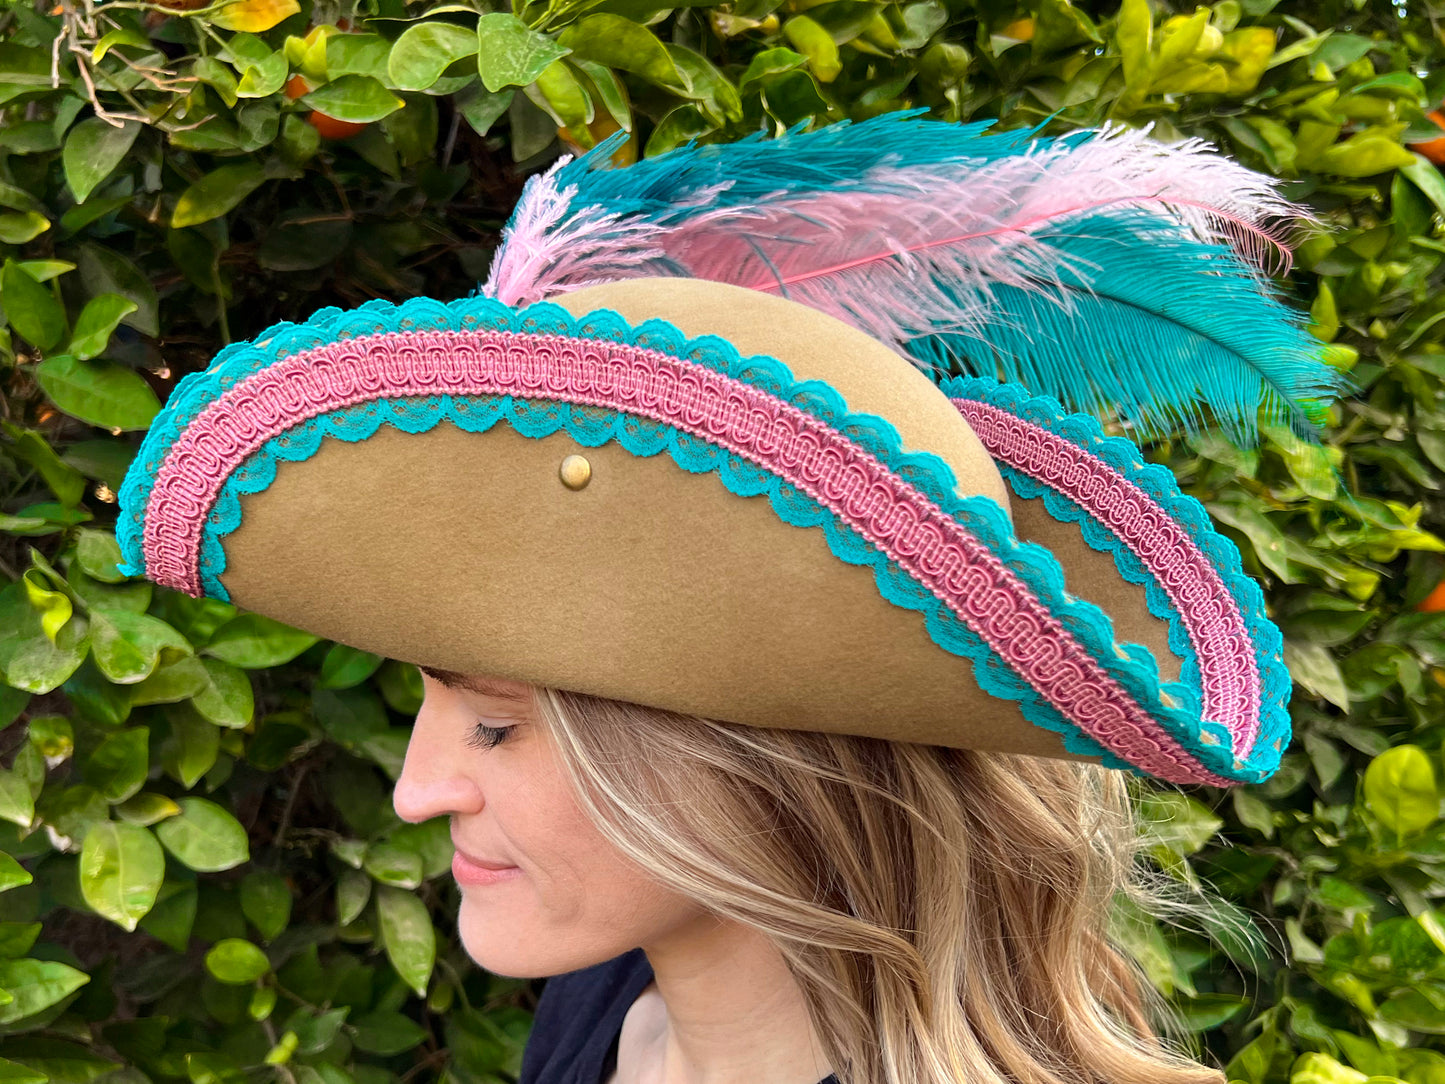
<point>518,951</point>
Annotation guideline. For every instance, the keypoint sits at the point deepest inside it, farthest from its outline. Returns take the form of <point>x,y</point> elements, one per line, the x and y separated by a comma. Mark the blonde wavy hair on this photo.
<point>946,912</point>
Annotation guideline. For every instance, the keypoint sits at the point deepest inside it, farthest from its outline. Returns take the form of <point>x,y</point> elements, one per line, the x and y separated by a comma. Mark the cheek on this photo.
<point>581,901</point>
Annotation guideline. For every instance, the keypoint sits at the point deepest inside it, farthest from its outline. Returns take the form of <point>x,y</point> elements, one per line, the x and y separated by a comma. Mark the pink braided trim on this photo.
<point>902,521</point>
<point>1229,671</point>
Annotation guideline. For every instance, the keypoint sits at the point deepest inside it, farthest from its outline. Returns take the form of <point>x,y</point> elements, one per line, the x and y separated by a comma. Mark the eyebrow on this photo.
<point>483,686</point>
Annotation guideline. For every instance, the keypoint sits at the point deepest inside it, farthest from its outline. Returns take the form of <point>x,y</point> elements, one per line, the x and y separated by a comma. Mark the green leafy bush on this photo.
<point>201,877</point>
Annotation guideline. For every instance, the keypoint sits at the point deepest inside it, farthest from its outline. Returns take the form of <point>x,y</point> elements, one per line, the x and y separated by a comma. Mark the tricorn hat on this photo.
<point>800,432</point>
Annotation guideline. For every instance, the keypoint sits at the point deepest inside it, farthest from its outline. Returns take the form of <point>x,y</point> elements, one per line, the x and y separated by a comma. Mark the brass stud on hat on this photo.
<point>575,471</point>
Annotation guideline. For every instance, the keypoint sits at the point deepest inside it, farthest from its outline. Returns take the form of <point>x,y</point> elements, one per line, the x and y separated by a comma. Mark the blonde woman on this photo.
<point>784,692</point>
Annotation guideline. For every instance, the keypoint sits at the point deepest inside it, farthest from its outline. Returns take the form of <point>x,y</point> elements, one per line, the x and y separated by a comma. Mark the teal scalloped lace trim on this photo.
<point>1126,457</point>
<point>1131,664</point>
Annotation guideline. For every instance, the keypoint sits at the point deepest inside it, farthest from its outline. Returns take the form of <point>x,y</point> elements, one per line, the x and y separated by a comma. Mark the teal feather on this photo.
<point>1115,273</point>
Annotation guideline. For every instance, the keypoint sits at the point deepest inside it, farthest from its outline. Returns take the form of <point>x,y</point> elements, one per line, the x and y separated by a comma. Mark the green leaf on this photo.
<point>12,703</point>
<point>559,92</point>
<point>236,961</point>
<point>684,123</point>
<point>346,666</point>
<point>791,99</point>
<point>72,811</point>
<point>432,840</point>
<point>254,642</point>
<point>393,865</point>
<point>266,901</point>
<point>1250,50</point>
<point>33,663</point>
<point>1058,25</point>
<point>1401,791</point>
<point>407,935</point>
<point>173,917</point>
<point>17,801</point>
<point>1313,667</point>
<point>358,54</point>
<point>36,985</point>
<point>1366,153</point>
<point>63,1062</point>
<point>386,1033</point>
<point>531,129</point>
<point>190,748</point>
<point>264,78</point>
<point>106,271</point>
<point>17,199</point>
<point>179,680</point>
<point>620,43</point>
<point>18,227</point>
<point>17,938</point>
<point>118,767</point>
<point>357,98</point>
<point>217,193</point>
<point>263,1002</point>
<point>510,53</point>
<point>1177,822</point>
<point>12,873</point>
<point>817,45</point>
<point>315,1031</point>
<point>127,646</point>
<point>121,870</point>
<point>97,322</point>
<point>769,62</point>
<point>609,90</point>
<point>28,445</point>
<point>146,808</point>
<point>54,607</point>
<point>481,107</point>
<point>93,149</point>
<point>204,836</point>
<point>920,22</point>
<point>1134,36</point>
<point>99,555</point>
<point>30,307</point>
<point>425,50</point>
<point>353,889</point>
<point>1424,176</point>
<point>218,77</point>
<point>53,735</point>
<point>227,699</point>
<point>12,1072</point>
<point>102,393</point>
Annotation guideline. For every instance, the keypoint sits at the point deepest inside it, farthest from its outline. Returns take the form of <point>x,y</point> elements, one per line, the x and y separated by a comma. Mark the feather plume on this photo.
<point>1126,277</point>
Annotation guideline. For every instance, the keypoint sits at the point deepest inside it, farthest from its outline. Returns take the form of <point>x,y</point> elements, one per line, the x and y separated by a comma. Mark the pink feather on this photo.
<point>975,223</point>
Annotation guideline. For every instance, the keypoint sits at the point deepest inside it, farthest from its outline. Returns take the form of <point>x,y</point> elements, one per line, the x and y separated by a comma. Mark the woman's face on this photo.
<point>573,899</point>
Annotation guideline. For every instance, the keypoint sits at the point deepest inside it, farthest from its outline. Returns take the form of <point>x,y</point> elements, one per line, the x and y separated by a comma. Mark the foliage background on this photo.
<point>202,876</point>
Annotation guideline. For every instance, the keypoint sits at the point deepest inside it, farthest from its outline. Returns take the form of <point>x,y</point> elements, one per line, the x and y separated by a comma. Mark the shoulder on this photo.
<point>579,1014</point>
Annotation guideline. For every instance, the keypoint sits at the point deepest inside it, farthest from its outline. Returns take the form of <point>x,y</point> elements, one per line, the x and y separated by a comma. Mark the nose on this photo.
<point>433,780</point>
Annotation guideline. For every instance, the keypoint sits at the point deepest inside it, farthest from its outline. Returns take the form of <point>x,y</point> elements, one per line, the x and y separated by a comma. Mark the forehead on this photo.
<point>514,692</point>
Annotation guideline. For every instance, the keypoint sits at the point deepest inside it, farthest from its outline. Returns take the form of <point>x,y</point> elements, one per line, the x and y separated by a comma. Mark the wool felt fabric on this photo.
<point>651,584</point>
<point>695,443</point>
<point>655,584</point>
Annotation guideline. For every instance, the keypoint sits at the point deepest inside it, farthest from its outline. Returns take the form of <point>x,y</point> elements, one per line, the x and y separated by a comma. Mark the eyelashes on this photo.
<point>488,737</point>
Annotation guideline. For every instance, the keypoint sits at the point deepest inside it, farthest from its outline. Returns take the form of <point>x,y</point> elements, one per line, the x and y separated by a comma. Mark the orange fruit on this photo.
<point>331,128</point>
<point>1435,600</point>
<point>296,86</point>
<point>1019,29</point>
<point>1433,149</point>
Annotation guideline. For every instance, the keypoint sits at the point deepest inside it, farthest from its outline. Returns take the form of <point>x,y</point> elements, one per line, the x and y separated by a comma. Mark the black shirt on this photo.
<point>579,1020</point>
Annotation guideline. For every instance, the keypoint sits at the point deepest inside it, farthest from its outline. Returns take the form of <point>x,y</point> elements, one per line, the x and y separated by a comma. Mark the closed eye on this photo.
<point>488,737</point>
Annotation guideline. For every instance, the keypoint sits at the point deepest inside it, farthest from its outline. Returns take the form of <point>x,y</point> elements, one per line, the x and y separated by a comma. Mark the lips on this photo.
<point>485,863</point>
